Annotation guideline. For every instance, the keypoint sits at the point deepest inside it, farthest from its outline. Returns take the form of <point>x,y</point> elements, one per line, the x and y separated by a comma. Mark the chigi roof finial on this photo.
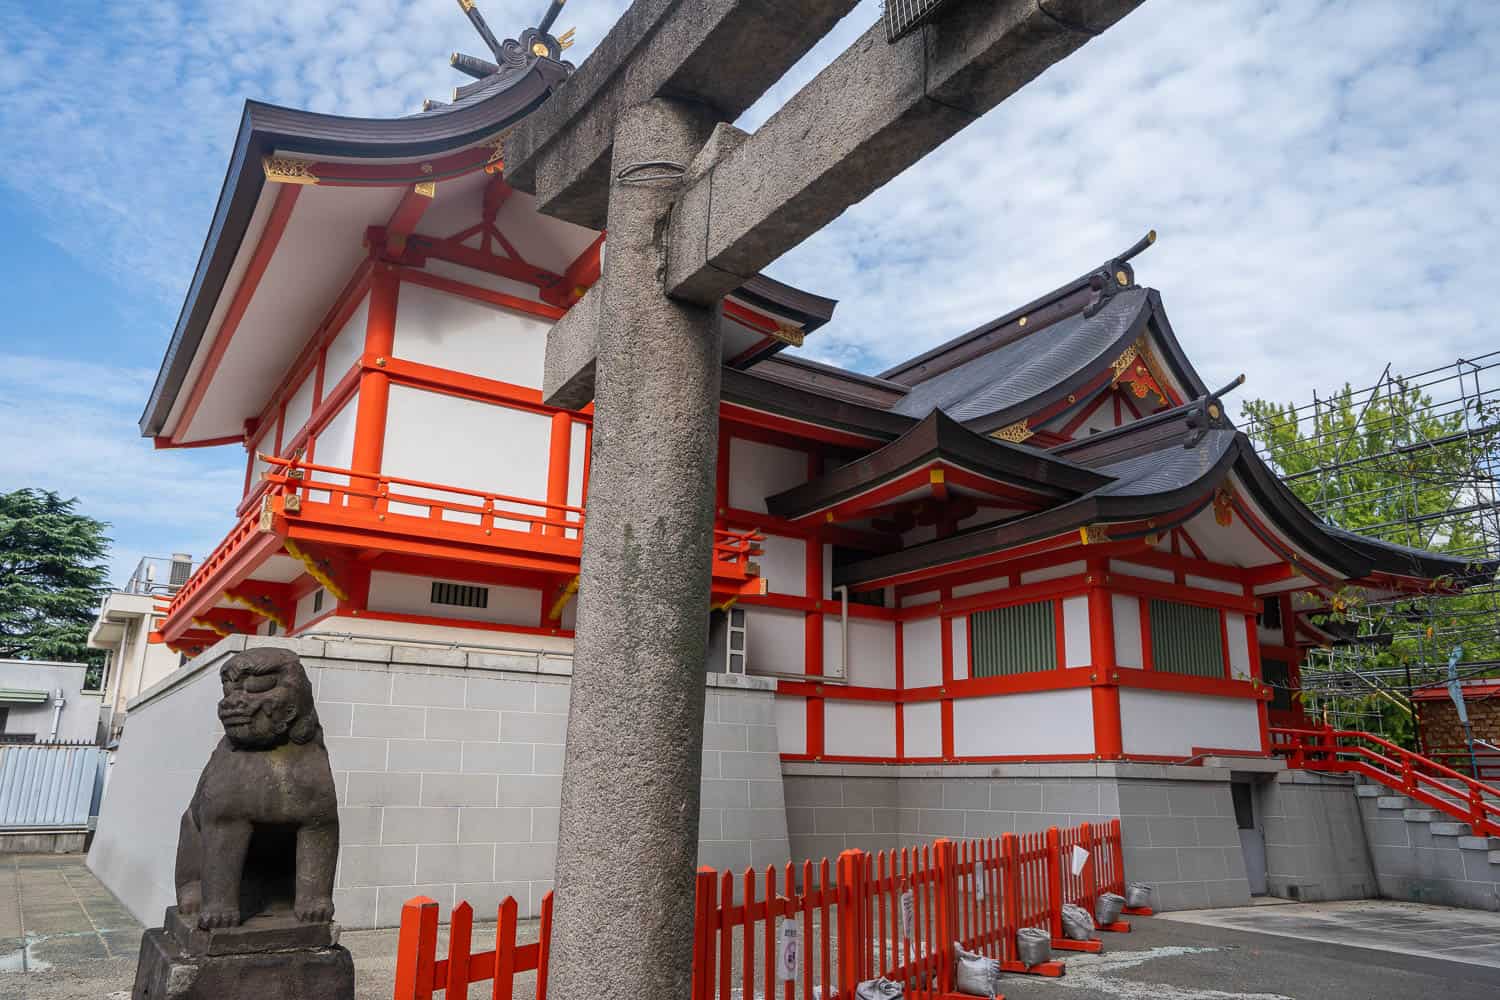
<point>511,57</point>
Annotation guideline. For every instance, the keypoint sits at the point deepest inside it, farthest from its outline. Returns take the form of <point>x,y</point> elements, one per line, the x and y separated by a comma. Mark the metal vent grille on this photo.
<point>1186,639</point>
<point>318,601</point>
<point>179,573</point>
<point>460,595</point>
<point>1015,640</point>
<point>902,17</point>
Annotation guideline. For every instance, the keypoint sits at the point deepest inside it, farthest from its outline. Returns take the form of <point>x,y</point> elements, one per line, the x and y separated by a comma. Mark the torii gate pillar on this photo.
<point>629,824</point>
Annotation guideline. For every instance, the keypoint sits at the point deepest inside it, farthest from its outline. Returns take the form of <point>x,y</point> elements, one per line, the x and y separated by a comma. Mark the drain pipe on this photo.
<point>843,592</point>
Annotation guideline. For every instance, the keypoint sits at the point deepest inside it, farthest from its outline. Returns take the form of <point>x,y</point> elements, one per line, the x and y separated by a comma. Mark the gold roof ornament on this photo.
<point>1093,534</point>
<point>1014,433</point>
<point>288,170</point>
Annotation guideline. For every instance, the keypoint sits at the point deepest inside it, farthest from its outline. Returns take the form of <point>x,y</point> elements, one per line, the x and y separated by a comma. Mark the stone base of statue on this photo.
<point>268,957</point>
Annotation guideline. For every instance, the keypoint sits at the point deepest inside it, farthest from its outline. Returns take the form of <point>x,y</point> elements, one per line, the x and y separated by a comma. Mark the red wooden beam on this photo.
<point>260,258</point>
<point>579,276</point>
<point>414,203</point>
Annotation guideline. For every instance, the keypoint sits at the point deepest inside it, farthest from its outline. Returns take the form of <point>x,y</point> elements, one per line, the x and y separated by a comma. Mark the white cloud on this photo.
<point>1321,174</point>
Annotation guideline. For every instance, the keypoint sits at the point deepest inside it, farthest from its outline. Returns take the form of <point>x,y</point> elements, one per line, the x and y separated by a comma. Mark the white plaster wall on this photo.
<point>1142,571</point>
<point>460,442</point>
<point>399,593</point>
<point>1052,572</point>
<point>922,652</point>
<point>960,628</point>
<point>872,651</point>
<point>922,729</point>
<point>347,346</point>
<point>981,587</point>
<point>1239,645</point>
<point>784,565</point>
<point>1171,723</point>
<point>859,728</point>
<point>460,334</point>
<point>775,640</point>
<point>1077,651</point>
<point>1127,623</point>
<point>305,612</point>
<point>299,407</point>
<point>480,279</point>
<point>917,600</point>
<point>757,471</point>
<point>1209,583</point>
<point>334,446</point>
<point>578,450</point>
<point>1041,722</point>
<point>791,724</point>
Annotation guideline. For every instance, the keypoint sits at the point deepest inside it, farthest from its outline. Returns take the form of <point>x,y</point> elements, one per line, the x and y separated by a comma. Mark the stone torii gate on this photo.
<point>637,142</point>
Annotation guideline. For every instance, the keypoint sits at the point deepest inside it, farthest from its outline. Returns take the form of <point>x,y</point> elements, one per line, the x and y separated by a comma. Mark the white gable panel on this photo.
<point>459,334</point>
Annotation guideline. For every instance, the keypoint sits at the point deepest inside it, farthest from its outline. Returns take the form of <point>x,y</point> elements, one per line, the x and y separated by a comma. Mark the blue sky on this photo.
<point>1323,177</point>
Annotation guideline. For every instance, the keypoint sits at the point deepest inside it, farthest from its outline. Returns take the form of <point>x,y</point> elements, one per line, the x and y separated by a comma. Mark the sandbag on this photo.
<point>1138,896</point>
<point>1034,946</point>
<point>1077,924</point>
<point>879,989</point>
<point>1108,907</point>
<point>973,974</point>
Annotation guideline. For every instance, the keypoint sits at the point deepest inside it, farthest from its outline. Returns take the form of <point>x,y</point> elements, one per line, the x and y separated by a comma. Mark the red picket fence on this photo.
<point>420,973</point>
<point>978,893</point>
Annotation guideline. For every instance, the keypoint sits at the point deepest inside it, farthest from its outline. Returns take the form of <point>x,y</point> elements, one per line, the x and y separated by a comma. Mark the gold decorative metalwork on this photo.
<point>1093,534</point>
<point>1122,363</point>
<point>288,170</point>
<point>1015,433</point>
<point>467,5</point>
<point>1224,505</point>
<point>496,145</point>
<point>315,569</point>
<point>539,49</point>
<point>565,40</point>
<point>427,189</point>
<point>788,334</point>
<point>1021,321</point>
<point>1122,278</point>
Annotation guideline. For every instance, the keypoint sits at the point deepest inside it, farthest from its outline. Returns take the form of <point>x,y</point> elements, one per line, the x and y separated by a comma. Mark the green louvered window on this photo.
<point>1015,640</point>
<point>1186,639</point>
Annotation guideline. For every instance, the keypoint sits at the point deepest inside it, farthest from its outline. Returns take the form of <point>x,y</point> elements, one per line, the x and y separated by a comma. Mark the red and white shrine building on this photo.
<point>1042,540</point>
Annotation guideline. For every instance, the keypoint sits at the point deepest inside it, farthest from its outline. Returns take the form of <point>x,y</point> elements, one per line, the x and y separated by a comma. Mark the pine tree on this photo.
<point>52,576</point>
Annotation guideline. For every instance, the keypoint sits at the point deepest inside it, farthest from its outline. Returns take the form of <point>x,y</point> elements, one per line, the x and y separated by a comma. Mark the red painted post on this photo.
<point>416,949</point>
<point>1010,888</point>
<point>1088,879</point>
<point>505,951</point>
<point>460,924</point>
<point>544,950</point>
<point>945,853</point>
<point>851,940</point>
<point>1054,882</point>
<point>705,905</point>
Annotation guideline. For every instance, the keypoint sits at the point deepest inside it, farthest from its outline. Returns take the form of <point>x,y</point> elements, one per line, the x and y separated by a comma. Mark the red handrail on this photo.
<point>1412,774</point>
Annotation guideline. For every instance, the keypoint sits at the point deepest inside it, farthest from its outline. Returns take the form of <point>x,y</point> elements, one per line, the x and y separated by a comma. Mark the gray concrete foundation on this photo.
<point>1177,822</point>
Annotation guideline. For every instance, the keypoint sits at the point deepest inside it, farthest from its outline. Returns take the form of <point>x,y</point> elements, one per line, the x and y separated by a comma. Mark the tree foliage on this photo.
<point>52,576</point>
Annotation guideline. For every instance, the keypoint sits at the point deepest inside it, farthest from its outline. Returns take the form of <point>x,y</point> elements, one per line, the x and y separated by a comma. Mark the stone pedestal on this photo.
<point>268,956</point>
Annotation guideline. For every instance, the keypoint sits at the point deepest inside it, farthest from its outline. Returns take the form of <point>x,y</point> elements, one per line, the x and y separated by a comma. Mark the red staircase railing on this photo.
<point>1347,751</point>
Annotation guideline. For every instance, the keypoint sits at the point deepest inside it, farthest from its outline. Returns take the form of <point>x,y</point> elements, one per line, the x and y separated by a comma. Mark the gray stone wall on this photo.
<point>448,767</point>
<point>1424,855</point>
<point>1315,839</point>
<point>1177,822</point>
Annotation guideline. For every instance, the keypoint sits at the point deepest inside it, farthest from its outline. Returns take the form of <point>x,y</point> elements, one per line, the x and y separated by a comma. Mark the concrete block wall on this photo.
<point>1315,838</point>
<point>448,768</point>
<point>1177,823</point>
<point>1424,855</point>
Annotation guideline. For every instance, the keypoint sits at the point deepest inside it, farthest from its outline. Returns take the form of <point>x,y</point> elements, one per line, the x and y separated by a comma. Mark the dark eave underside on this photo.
<point>940,437</point>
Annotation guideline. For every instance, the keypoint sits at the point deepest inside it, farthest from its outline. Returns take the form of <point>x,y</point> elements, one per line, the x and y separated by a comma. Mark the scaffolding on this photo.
<point>1412,460</point>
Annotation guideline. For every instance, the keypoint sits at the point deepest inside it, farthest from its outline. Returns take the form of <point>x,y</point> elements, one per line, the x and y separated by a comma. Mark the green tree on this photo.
<point>52,577</point>
<point>1392,465</point>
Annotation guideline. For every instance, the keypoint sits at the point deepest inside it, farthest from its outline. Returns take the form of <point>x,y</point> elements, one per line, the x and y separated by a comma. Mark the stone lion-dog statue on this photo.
<point>261,834</point>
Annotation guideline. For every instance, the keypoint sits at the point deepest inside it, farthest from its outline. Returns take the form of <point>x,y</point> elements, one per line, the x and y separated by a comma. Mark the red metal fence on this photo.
<point>894,913</point>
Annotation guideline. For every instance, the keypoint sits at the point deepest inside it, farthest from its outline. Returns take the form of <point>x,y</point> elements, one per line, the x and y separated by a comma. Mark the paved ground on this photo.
<point>64,937</point>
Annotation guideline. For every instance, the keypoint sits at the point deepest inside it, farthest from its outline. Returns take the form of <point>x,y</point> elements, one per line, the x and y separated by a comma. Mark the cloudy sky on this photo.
<point>1323,177</point>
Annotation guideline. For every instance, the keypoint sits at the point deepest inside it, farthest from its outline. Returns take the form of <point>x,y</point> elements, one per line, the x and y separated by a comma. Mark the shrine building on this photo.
<point>1042,543</point>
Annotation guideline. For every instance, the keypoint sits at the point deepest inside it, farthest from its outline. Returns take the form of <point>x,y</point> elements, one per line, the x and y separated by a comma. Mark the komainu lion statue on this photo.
<point>262,832</point>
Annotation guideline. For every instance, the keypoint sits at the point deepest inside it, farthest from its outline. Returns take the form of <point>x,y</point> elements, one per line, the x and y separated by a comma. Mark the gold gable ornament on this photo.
<point>1015,433</point>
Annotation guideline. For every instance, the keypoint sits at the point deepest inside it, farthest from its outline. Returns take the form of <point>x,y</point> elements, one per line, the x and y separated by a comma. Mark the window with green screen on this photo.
<point>1186,639</point>
<point>1015,640</point>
